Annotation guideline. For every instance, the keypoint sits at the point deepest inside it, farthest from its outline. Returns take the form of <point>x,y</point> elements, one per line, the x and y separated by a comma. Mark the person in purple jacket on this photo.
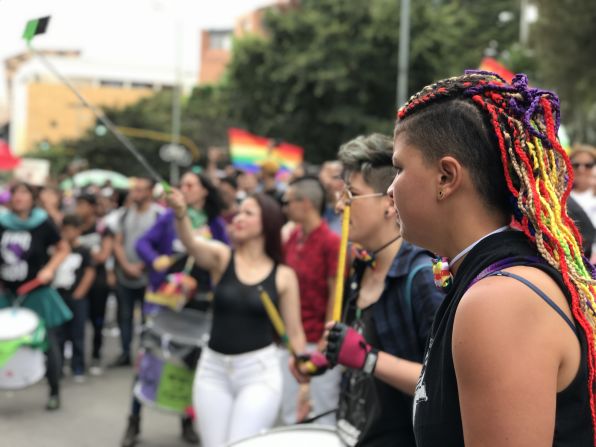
<point>161,250</point>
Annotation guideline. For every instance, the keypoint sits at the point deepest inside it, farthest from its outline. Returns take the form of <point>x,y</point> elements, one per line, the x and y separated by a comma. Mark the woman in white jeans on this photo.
<point>238,385</point>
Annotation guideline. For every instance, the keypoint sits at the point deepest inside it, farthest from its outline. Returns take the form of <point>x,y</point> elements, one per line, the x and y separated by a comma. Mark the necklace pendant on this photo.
<point>442,274</point>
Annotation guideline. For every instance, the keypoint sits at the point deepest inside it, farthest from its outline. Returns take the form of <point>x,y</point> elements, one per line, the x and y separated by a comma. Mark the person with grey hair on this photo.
<point>311,251</point>
<point>389,306</point>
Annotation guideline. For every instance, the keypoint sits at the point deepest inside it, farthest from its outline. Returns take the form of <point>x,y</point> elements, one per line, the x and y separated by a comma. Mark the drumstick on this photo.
<point>341,264</point>
<point>29,286</point>
<point>279,326</point>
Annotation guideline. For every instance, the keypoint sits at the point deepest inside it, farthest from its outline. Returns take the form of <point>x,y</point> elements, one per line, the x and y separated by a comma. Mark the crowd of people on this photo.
<point>468,298</point>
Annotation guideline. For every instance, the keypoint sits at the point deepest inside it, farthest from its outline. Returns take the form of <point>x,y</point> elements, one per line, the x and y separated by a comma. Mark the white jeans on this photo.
<point>324,392</point>
<point>236,396</point>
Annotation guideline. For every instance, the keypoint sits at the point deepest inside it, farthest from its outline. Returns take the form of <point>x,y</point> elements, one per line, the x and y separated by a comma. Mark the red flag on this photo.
<point>7,160</point>
<point>491,64</point>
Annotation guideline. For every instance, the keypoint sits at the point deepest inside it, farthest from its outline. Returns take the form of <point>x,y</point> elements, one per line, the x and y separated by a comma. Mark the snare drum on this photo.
<point>171,343</point>
<point>294,436</point>
<point>22,335</point>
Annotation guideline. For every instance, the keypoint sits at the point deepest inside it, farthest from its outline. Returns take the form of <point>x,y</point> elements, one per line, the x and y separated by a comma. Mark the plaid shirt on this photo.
<point>402,328</point>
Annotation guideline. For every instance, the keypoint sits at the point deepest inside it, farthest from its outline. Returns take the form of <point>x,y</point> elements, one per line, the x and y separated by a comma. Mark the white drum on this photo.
<point>294,436</point>
<point>22,362</point>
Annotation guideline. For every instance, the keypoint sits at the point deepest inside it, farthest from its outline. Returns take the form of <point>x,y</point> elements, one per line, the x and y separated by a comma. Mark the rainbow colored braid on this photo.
<point>539,178</point>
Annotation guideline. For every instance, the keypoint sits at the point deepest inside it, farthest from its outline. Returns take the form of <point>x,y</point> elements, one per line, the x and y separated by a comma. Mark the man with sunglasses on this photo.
<point>311,251</point>
<point>389,303</point>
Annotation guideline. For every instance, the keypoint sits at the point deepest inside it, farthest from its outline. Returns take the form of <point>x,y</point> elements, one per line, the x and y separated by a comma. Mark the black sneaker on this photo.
<point>53,403</point>
<point>188,431</point>
<point>132,431</point>
<point>122,360</point>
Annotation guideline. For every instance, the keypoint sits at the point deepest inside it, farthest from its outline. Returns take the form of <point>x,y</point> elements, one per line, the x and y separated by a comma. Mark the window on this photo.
<point>220,40</point>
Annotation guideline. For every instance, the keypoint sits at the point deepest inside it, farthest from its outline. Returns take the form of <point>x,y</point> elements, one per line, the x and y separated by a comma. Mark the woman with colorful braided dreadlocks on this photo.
<point>510,359</point>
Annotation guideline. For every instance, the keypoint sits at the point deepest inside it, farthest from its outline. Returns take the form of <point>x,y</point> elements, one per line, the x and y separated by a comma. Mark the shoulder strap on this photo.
<point>408,290</point>
<point>409,281</point>
<point>541,294</point>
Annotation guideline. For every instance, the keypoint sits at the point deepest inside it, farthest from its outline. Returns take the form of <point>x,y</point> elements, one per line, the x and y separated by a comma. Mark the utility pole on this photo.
<point>524,28</point>
<point>404,53</point>
<point>176,112</point>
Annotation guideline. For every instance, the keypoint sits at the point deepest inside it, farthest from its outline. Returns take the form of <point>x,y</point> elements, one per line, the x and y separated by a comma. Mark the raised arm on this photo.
<point>210,255</point>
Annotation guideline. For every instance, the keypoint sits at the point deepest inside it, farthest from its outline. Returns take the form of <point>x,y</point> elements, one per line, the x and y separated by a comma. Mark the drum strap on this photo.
<point>317,416</point>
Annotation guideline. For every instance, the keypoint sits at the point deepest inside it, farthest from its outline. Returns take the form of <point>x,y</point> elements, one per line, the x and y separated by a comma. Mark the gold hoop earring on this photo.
<point>440,195</point>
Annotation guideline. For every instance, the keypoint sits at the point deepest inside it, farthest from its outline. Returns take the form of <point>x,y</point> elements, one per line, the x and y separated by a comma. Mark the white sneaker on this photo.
<point>95,368</point>
<point>79,378</point>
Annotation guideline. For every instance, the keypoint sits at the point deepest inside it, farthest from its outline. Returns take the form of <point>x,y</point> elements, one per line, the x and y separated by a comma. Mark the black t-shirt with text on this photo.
<point>23,253</point>
<point>70,272</point>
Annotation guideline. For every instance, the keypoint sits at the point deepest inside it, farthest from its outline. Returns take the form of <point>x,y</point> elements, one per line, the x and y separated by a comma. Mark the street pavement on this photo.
<point>93,414</point>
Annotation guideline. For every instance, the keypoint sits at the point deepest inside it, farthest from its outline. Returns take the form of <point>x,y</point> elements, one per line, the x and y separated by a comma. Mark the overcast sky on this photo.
<point>139,33</point>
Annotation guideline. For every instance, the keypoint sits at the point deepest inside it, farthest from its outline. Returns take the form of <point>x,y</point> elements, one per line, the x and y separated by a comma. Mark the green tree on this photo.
<point>102,150</point>
<point>325,73</point>
<point>565,42</point>
<point>327,70</point>
<point>204,119</point>
<point>207,116</point>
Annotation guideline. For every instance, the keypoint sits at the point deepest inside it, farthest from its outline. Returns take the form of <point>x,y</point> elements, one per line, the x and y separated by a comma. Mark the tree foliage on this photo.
<point>103,151</point>
<point>565,40</point>
<point>327,72</point>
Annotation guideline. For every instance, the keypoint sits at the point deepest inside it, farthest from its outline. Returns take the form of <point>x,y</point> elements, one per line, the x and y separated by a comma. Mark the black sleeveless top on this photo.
<point>240,322</point>
<point>437,416</point>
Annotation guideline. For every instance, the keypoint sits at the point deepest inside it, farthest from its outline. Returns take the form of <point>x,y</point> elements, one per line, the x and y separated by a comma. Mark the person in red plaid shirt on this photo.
<point>312,251</point>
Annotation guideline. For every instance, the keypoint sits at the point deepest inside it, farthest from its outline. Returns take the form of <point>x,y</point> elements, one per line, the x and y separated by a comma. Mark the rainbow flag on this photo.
<point>248,151</point>
<point>491,64</point>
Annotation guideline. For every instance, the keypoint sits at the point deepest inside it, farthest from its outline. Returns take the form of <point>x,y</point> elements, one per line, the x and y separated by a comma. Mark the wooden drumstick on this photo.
<point>280,327</point>
<point>341,264</point>
<point>29,286</point>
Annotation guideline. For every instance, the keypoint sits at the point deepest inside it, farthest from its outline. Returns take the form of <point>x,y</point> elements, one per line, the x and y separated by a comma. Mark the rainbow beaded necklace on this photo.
<point>441,271</point>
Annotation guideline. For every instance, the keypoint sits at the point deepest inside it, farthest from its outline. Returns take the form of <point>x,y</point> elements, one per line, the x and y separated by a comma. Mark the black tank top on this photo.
<point>437,416</point>
<point>240,322</point>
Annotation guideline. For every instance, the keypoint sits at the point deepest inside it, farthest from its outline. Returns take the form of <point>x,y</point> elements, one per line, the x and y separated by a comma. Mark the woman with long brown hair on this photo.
<point>237,388</point>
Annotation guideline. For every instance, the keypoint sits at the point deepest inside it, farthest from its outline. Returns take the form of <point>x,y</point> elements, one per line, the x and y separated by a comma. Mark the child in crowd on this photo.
<point>73,279</point>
